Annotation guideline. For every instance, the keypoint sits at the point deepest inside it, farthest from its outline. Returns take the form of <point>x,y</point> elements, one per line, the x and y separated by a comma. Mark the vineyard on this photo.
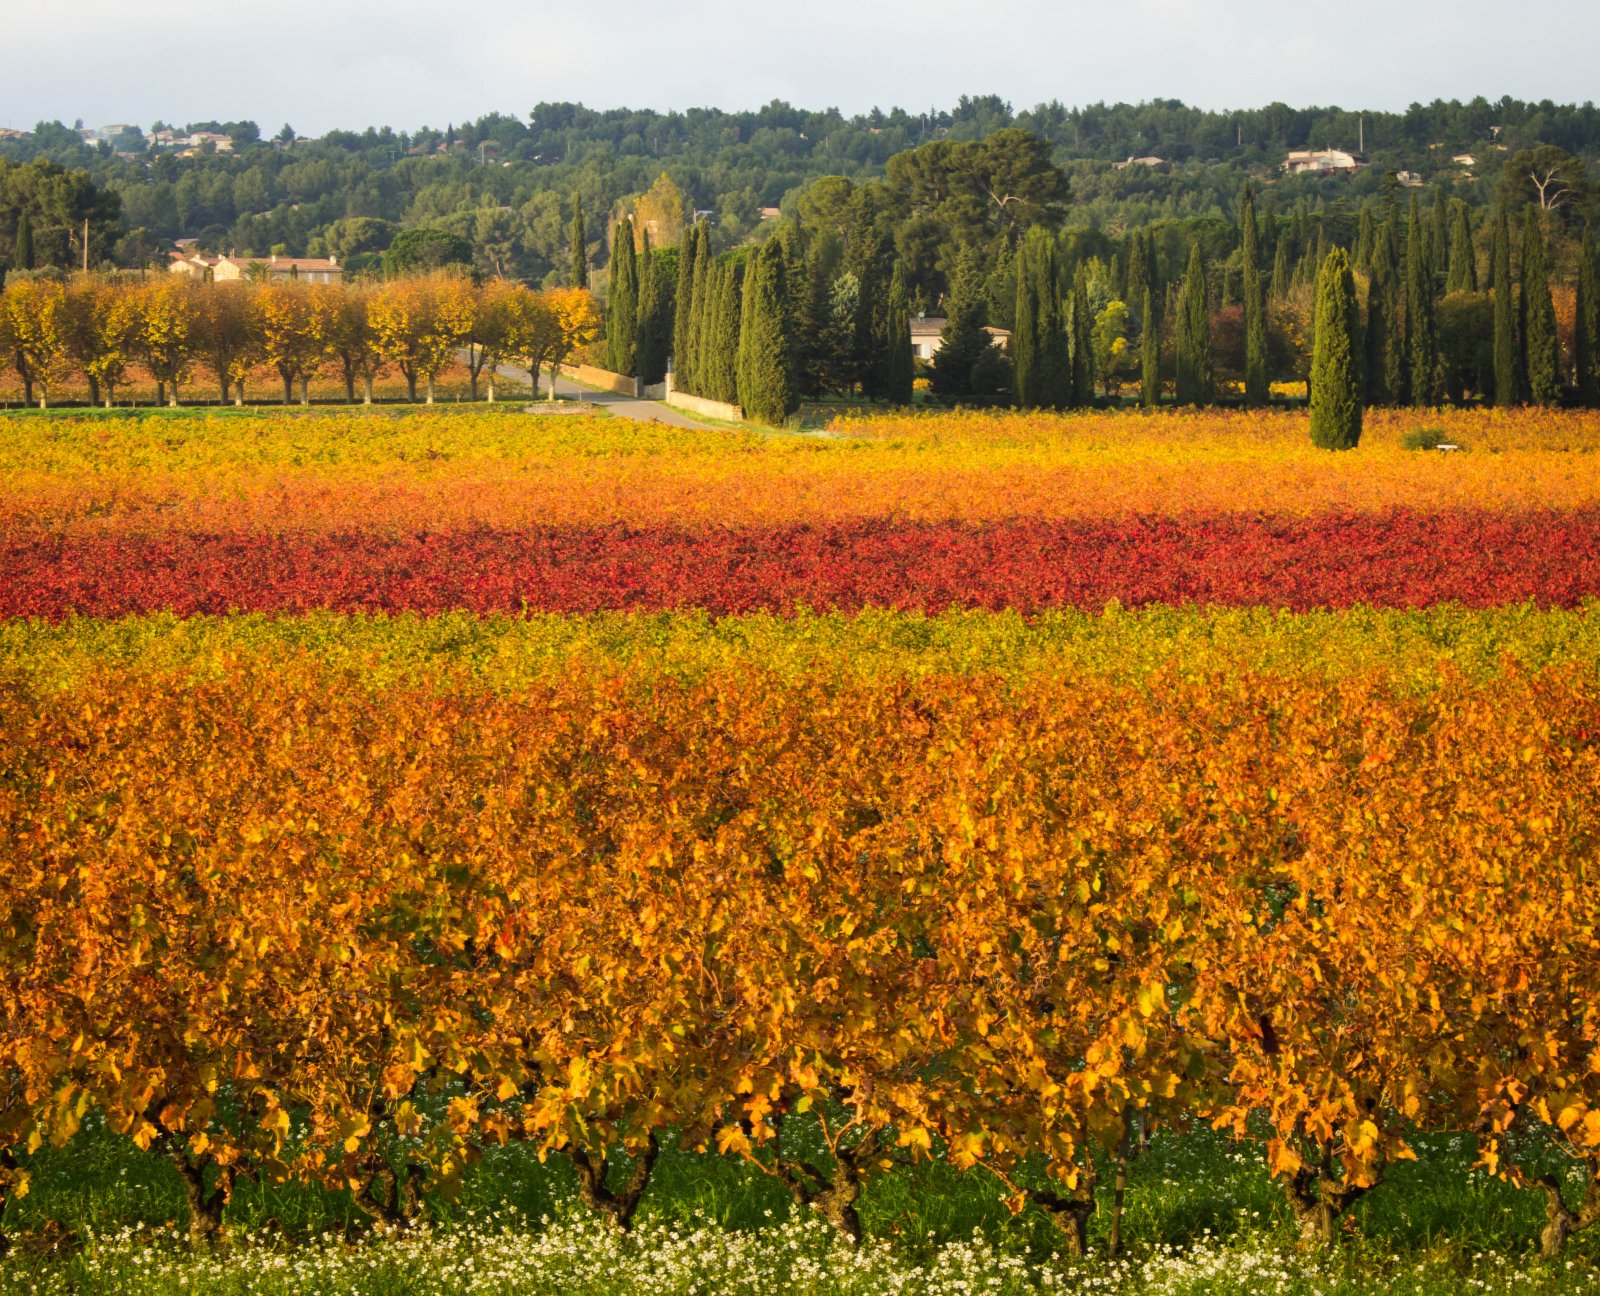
<point>998,804</point>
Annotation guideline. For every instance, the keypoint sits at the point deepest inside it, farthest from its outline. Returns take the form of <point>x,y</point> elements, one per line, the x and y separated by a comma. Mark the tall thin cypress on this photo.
<point>622,301</point>
<point>1586,339</point>
<point>1041,372</point>
<point>899,370</point>
<point>1394,350</point>
<point>653,334</point>
<point>1080,340</point>
<point>1335,364</point>
<point>580,245</point>
<point>1539,315</point>
<point>702,321</point>
<point>1439,231</point>
<point>1256,388</point>
<point>22,245</point>
<point>1422,343</point>
<point>1280,271</point>
<point>719,362</point>
<point>1150,355</point>
<point>767,390</point>
<point>1463,275</point>
<point>1364,240</point>
<point>1506,387</point>
<point>1194,377</point>
<point>683,309</point>
<point>1381,323</point>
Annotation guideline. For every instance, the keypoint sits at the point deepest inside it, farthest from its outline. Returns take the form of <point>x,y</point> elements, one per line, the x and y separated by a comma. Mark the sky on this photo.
<point>407,63</point>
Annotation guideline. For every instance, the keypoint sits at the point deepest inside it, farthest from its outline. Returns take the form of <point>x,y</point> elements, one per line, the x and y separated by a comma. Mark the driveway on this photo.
<point>645,411</point>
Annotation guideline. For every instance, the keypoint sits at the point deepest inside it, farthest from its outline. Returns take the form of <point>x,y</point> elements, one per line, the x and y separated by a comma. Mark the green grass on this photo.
<point>1202,1216</point>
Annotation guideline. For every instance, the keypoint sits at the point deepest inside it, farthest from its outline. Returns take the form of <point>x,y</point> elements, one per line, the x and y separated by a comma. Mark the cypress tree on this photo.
<point>580,245</point>
<point>767,390</point>
<point>1025,328</point>
<point>702,320</point>
<point>1422,344</point>
<point>1539,315</point>
<point>1081,340</point>
<point>1194,378</point>
<point>1381,323</point>
<point>622,301</point>
<point>1364,240</point>
<point>962,341</point>
<point>1394,351</point>
<point>1506,387</point>
<point>1335,364</point>
<point>22,245</point>
<point>899,370</point>
<point>683,309</point>
<point>1138,279</point>
<point>1439,231</point>
<point>723,316</point>
<point>1256,388</point>
<point>654,332</point>
<point>1280,271</point>
<point>1586,340</point>
<point>1463,276</point>
<point>1150,355</point>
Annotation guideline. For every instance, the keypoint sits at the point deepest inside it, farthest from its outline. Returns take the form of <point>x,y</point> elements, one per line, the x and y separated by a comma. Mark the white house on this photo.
<point>926,339</point>
<point>1323,160</point>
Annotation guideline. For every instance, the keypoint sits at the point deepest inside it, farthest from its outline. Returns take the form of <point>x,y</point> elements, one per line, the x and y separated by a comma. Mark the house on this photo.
<point>1300,161</point>
<point>769,213</point>
<point>226,269</point>
<point>1140,161</point>
<point>927,331</point>
<point>1465,159</point>
<point>7,133</point>
<point>317,270</point>
<point>1410,179</point>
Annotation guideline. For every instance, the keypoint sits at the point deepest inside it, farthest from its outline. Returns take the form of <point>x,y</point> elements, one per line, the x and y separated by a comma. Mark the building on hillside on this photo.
<point>1335,161</point>
<point>8,133</point>
<point>226,269</point>
<point>769,213</point>
<point>1410,179</point>
<point>1140,161</point>
<point>927,336</point>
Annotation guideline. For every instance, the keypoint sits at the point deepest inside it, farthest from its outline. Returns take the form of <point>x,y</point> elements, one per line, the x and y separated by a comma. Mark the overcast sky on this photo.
<point>406,63</point>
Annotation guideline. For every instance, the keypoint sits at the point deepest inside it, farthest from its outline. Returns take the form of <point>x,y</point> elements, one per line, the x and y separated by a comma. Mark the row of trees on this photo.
<point>104,327</point>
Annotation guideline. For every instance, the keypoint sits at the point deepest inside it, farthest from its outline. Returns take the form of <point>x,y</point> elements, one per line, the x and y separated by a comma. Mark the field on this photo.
<point>453,851</point>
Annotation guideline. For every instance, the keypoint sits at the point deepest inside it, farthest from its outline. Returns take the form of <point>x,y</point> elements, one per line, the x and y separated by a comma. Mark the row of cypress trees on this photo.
<point>745,324</point>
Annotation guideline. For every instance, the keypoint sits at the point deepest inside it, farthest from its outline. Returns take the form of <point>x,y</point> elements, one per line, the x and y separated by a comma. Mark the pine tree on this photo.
<point>963,341</point>
<point>1422,344</point>
<point>1150,355</point>
<point>1335,363</point>
<point>22,245</point>
<point>622,301</point>
<point>1256,387</point>
<point>1080,341</point>
<point>580,245</point>
<point>1194,377</point>
<point>899,369</point>
<point>1463,276</point>
<point>1586,339</point>
<point>683,309</point>
<point>1507,390</point>
<point>1539,315</point>
<point>767,389</point>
